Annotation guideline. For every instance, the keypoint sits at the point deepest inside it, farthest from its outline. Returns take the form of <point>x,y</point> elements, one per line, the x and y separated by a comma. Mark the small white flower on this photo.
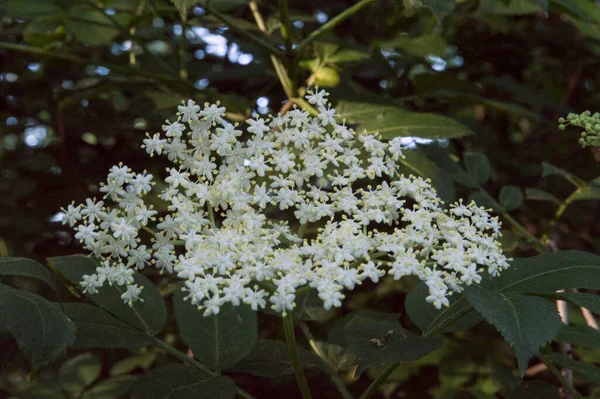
<point>132,294</point>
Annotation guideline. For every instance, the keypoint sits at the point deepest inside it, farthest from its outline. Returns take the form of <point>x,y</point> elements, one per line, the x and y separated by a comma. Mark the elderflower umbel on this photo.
<point>293,203</point>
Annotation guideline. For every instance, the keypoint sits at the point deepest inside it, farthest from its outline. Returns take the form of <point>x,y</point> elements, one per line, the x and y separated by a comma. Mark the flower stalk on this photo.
<point>290,337</point>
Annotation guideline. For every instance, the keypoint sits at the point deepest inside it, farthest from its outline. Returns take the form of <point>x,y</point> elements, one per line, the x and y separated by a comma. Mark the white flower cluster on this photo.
<point>294,202</point>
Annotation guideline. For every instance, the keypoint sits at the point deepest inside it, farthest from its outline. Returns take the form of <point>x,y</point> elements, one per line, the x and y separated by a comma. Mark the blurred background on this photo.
<point>82,81</point>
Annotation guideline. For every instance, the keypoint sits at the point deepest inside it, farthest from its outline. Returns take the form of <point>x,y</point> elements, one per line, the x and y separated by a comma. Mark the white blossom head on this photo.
<point>292,202</point>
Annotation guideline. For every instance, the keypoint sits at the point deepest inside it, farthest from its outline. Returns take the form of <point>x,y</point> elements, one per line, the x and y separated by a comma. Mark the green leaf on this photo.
<point>138,361</point>
<point>391,121</point>
<point>543,4</point>
<point>78,373</point>
<point>326,77</point>
<point>579,335</point>
<point>347,56</point>
<point>484,200</point>
<point>428,318</point>
<point>510,197</point>
<point>27,268</point>
<point>98,329</point>
<point>384,342</point>
<point>41,330</point>
<point>591,192</point>
<point>478,167</point>
<point>588,301</point>
<point>441,8</point>
<point>585,10</point>
<point>526,323</point>
<point>550,272</point>
<point>420,46</point>
<point>414,162</point>
<point>114,387</point>
<point>535,194</point>
<point>176,381</point>
<point>270,358</point>
<point>44,30</point>
<point>148,315</point>
<point>218,341</point>
<point>513,7</point>
<point>549,170</point>
<point>90,26</point>
<point>535,390</point>
<point>25,9</point>
<point>310,307</point>
<point>587,370</point>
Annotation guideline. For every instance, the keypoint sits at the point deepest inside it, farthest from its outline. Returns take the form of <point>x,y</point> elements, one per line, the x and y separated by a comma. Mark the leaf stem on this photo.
<point>332,23</point>
<point>288,327</point>
<point>277,64</point>
<point>286,29</point>
<point>335,378</point>
<point>378,381</point>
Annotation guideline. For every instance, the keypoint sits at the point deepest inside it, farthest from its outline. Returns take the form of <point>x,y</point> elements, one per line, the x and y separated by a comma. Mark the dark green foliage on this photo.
<point>176,381</point>
<point>218,341</point>
<point>148,315</point>
<point>41,329</point>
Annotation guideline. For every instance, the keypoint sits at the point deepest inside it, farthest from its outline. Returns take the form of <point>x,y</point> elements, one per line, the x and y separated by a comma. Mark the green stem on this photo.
<point>559,212</point>
<point>335,378</point>
<point>277,64</point>
<point>332,23</point>
<point>378,381</point>
<point>566,385</point>
<point>301,230</point>
<point>235,27</point>
<point>286,29</point>
<point>211,216</point>
<point>183,74</point>
<point>288,327</point>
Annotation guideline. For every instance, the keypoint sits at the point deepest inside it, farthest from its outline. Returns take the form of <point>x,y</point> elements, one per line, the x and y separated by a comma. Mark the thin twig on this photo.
<point>332,23</point>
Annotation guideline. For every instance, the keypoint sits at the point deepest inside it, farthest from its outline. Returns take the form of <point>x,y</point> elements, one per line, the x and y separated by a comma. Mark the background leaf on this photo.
<point>78,373</point>
<point>587,370</point>
<point>511,197</point>
<point>176,381</point>
<point>535,390</point>
<point>579,335</point>
<point>270,358</point>
<point>478,167</point>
